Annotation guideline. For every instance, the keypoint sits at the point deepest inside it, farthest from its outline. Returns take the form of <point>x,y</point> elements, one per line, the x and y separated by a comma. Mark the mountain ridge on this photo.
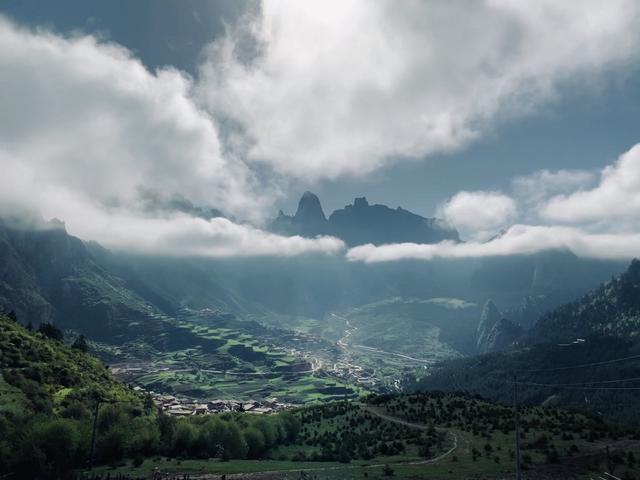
<point>361,223</point>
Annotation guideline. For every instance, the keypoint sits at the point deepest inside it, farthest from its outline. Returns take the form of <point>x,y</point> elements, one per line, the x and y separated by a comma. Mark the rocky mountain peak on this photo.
<point>310,209</point>
<point>360,202</point>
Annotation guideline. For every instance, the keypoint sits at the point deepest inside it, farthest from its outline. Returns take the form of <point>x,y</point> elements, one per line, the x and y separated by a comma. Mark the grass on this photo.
<point>12,400</point>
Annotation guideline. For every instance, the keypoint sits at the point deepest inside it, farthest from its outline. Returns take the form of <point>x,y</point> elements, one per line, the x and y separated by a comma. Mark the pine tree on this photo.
<point>80,343</point>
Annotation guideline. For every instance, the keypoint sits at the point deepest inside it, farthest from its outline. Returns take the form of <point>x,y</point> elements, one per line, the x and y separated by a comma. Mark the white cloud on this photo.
<point>346,86</point>
<point>615,201</point>
<point>91,117</point>
<point>539,186</point>
<point>479,213</point>
<point>605,217</point>
<point>86,128</point>
<point>518,240</point>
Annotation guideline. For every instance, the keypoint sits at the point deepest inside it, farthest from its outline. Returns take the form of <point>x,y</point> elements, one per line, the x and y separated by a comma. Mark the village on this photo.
<point>184,407</point>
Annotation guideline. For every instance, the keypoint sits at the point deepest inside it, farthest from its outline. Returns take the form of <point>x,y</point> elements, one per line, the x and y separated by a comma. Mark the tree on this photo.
<point>112,443</point>
<point>49,330</point>
<point>255,442</point>
<point>291,426</point>
<point>81,344</point>
<point>58,440</point>
<point>12,316</point>
<point>233,442</point>
<point>183,438</point>
<point>144,436</point>
<point>268,431</point>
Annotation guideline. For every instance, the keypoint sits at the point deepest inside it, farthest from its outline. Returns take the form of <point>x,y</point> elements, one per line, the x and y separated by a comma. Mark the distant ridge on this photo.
<point>361,223</point>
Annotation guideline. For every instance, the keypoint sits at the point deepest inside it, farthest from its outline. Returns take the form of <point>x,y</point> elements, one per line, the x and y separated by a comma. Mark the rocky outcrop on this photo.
<point>489,317</point>
<point>309,220</point>
<point>503,334</point>
<point>494,331</point>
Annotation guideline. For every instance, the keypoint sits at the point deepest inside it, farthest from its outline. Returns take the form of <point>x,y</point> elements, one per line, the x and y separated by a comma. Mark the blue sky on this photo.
<point>585,128</point>
<point>499,116</point>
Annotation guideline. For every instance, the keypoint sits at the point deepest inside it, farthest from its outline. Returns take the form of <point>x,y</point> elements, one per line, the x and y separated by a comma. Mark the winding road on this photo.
<point>349,331</point>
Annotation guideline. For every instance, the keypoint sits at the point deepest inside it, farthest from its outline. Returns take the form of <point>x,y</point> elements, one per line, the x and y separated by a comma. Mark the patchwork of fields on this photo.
<point>371,348</point>
<point>239,360</point>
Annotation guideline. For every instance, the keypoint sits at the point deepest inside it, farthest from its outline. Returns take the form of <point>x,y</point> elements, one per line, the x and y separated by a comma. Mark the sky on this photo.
<point>500,116</point>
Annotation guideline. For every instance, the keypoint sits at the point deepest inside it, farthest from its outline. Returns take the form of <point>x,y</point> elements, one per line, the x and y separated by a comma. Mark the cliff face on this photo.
<point>495,332</point>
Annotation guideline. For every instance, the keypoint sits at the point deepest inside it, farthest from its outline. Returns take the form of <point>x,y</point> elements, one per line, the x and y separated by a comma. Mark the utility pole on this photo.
<point>516,415</point>
<point>93,433</point>
<point>609,462</point>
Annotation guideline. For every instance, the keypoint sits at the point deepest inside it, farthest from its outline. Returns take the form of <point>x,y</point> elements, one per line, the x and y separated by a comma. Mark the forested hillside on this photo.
<point>48,397</point>
<point>599,333</point>
<point>613,309</point>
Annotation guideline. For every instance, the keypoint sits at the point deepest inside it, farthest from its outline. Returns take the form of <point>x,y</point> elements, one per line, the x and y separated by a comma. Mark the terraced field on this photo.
<point>240,360</point>
<point>297,360</point>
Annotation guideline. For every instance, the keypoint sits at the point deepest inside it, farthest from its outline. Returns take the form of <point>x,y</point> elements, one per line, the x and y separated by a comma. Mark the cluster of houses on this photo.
<point>182,407</point>
<point>350,372</point>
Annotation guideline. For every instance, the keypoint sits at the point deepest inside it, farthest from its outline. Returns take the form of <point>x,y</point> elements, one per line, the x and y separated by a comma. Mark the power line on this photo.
<point>583,365</point>
<point>591,383</point>
<point>568,387</point>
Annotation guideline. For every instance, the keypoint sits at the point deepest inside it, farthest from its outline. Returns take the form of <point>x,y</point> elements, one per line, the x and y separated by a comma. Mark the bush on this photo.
<point>58,440</point>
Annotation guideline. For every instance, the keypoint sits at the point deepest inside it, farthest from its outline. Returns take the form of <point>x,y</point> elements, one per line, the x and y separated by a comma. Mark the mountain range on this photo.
<point>361,223</point>
<point>46,274</point>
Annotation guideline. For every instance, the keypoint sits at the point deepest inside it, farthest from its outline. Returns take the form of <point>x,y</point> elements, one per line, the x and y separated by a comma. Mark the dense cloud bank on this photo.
<point>89,135</point>
<point>326,88</point>
<point>310,90</point>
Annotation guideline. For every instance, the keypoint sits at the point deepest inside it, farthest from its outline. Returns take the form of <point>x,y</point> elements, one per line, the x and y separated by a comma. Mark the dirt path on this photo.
<point>275,473</point>
<point>419,426</point>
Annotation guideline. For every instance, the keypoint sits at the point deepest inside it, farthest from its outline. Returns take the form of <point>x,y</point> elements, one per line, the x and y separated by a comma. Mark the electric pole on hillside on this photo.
<point>93,433</point>
<point>516,415</point>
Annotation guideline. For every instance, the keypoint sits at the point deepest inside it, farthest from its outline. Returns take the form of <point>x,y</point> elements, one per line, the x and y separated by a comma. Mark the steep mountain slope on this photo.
<point>495,332</point>
<point>49,275</point>
<point>611,310</point>
<point>175,283</point>
<point>599,328</point>
<point>38,374</point>
<point>18,283</point>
